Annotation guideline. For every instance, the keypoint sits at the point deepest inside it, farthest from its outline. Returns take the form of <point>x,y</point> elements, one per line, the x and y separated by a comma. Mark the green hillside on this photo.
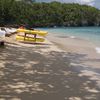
<point>47,14</point>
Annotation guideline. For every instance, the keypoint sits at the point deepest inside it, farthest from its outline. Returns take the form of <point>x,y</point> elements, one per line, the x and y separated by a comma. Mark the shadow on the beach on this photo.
<point>34,43</point>
<point>26,74</point>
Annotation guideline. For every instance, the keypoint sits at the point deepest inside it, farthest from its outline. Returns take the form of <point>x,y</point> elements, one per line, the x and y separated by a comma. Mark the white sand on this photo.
<point>79,46</point>
<point>69,45</point>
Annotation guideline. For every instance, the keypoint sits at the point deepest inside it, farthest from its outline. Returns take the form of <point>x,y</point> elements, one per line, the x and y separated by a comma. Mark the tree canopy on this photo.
<point>47,14</point>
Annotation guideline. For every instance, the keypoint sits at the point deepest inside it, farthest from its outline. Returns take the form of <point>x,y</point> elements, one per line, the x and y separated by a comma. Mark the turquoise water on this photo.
<point>89,33</point>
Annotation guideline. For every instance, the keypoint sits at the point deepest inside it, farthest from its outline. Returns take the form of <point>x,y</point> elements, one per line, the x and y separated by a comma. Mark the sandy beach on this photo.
<point>86,49</point>
<point>54,70</point>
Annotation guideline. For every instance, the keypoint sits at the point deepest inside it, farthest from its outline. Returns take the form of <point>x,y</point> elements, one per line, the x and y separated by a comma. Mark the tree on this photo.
<point>47,14</point>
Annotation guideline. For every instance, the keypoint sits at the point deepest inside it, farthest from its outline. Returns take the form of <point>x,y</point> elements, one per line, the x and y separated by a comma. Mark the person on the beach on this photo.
<point>21,27</point>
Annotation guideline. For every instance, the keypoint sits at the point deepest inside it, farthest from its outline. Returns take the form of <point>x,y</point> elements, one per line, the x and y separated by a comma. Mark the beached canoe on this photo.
<point>38,32</point>
<point>31,39</point>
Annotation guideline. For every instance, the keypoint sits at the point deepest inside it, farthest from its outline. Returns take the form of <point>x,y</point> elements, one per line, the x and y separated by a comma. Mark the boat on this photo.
<point>37,32</point>
<point>31,39</point>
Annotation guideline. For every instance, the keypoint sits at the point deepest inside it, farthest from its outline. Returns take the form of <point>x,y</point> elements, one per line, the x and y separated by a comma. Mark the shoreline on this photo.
<point>71,44</point>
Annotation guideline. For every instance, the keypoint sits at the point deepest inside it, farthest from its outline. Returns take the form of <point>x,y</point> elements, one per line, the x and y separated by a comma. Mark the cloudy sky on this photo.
<point>95,3</point>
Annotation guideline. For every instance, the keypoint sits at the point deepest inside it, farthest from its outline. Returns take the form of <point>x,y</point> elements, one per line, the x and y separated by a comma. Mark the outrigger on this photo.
<point>31,35</point>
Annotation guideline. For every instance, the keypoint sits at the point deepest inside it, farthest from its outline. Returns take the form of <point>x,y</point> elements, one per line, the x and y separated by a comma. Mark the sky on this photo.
<point>95,3</point>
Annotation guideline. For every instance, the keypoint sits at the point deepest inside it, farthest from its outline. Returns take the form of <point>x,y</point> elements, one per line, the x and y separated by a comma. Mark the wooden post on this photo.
<point>24,36</point>
<point>35,37</point>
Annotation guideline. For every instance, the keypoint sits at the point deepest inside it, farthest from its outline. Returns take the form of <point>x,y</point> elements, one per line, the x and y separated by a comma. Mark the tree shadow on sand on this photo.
<point>26,74</point>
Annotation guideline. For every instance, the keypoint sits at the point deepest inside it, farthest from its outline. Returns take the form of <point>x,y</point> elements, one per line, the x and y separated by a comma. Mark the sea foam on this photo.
<point>97,49</point>
<point>72,37</point>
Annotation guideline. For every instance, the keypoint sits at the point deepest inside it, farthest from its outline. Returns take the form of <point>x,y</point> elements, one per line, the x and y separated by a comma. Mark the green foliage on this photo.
<point>47,14</point>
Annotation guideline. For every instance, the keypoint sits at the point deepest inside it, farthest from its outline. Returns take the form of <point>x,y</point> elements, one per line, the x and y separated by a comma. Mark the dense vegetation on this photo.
<point>47,14</point>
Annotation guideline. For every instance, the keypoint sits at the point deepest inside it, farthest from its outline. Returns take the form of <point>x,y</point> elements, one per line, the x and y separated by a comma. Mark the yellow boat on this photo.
<point>41,33</point>
<point>22,38</point>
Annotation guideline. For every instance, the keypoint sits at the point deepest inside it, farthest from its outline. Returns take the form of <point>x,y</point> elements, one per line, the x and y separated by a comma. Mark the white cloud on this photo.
<point>85,1</point>
<point>95,3</point>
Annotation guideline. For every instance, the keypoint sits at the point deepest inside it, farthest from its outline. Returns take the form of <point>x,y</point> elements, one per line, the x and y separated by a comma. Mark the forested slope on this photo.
<point>47,14</point>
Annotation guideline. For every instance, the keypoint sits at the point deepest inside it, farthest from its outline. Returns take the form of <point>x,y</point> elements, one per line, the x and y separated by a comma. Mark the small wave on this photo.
<point>97,49</point>
<point>72,37</point>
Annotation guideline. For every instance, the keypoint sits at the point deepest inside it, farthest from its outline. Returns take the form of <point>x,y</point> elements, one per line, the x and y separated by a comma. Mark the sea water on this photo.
<point>88,33</point>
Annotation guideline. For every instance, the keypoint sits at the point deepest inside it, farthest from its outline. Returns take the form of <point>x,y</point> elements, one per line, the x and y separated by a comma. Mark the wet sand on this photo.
<point>45,72</point>
<point>78,46</point>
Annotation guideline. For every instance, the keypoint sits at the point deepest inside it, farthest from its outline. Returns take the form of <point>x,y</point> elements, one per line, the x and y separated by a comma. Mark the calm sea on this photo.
<point>89,33</point>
